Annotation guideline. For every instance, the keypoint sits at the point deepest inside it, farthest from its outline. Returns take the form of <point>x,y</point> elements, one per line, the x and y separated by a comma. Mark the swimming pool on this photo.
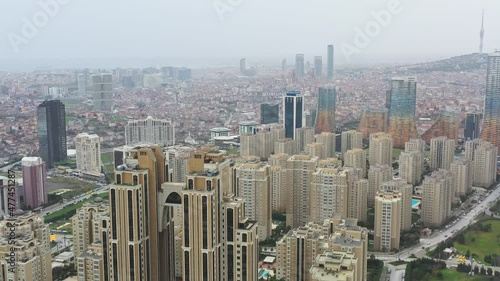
<point>415,203</point>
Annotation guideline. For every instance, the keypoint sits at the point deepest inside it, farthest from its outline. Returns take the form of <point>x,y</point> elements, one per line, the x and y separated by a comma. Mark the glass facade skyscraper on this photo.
<point>299,65</point>
<point>51,123</point>
<point>293,110</point>
<point>330,62</point>
<point>491,123</point>
<point>269,113</point>
<point>402,125</point>
<point>325,118</point>
<point>472,123</point>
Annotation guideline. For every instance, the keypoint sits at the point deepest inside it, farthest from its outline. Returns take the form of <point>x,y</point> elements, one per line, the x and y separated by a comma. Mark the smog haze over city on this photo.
<point>136,33</point>
<point>249,140</point>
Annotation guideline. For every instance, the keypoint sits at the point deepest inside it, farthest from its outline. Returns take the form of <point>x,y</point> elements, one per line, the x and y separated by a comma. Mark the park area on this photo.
<point>482,241</point>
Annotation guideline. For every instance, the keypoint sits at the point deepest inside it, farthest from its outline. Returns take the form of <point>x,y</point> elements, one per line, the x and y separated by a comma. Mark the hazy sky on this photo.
<point>191,29</point>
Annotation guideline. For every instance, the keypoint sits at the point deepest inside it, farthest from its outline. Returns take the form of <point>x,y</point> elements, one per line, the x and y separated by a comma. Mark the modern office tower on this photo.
<point>215,230</point>
<point>51,123</point>
<point>463,174</point>
<point>90,238</point>
<point>299,170</point>
<point>491,122</point>
<point>472,126</point>
<point>278,181</point>
<point>437,196</point>
<point>402,124</point>
<point>356,158</point>
<point>325,118</point>
<point>103,92</point>
<point>406,191</point>
<point>387,221</point>
<point>330,62</point>
<point>318,67</point>
<point>286,146</point>
<point>485,158</point>
<point>82,84</point>
<point>184,74</point>
<point>298,250</point>
<point>442,153</point>
<point>293,111</point>
<point>139,251</point>
<point>410,166</point>
<point>283,65</point>
<point>88,153</point>
<point>316,149</point>
<point>303,136</point>
<point>35,182</point>
<point>149,130</point>
<point>329,193</point>
<point>446,125</point>
<point>33,257</point>
<point>351,140</point>
<point>253,184</point>
<point>328,141</point>
<point>380,149</point>
<point>373,121</point>
<point>269,113</point>
<point>376,176</point>
<point>247,127</point>
<point>299,65</point>
<point>243,66</point>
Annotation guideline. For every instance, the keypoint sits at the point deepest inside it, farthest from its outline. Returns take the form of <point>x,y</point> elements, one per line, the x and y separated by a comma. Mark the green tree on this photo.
<point>483,270</point>
<point>490,271</point>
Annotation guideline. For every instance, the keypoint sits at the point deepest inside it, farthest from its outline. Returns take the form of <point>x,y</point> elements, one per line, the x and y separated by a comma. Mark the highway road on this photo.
<point>443,234</point>
<point>54,208</point>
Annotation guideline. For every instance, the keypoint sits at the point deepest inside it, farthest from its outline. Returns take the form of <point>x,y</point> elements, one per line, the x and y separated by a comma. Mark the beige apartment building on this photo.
<point>406,191</point>
<point>380,149</point>
<point>442,153</point>
<point>350,140</point>
<point>33,259</point>
<point>376,176</point>
<point>299,177</point>
<point>387,220</point>
<point>328,140</point>
<point>437,195</point>
<point>253,185</point>
<point>356,158</point>
<point>463,173</point>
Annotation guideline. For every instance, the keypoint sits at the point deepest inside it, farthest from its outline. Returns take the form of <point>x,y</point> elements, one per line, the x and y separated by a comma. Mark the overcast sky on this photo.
<point>270,29</point>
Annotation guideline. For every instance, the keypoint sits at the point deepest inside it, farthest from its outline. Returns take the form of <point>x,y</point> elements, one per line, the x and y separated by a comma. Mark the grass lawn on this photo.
<point>456,276</point>
<point>107,157</point>
<point>75,185</point>
<point>396,152</point>
<point>71,210</point>
<point>233,151</point>
<point>485,242</point>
